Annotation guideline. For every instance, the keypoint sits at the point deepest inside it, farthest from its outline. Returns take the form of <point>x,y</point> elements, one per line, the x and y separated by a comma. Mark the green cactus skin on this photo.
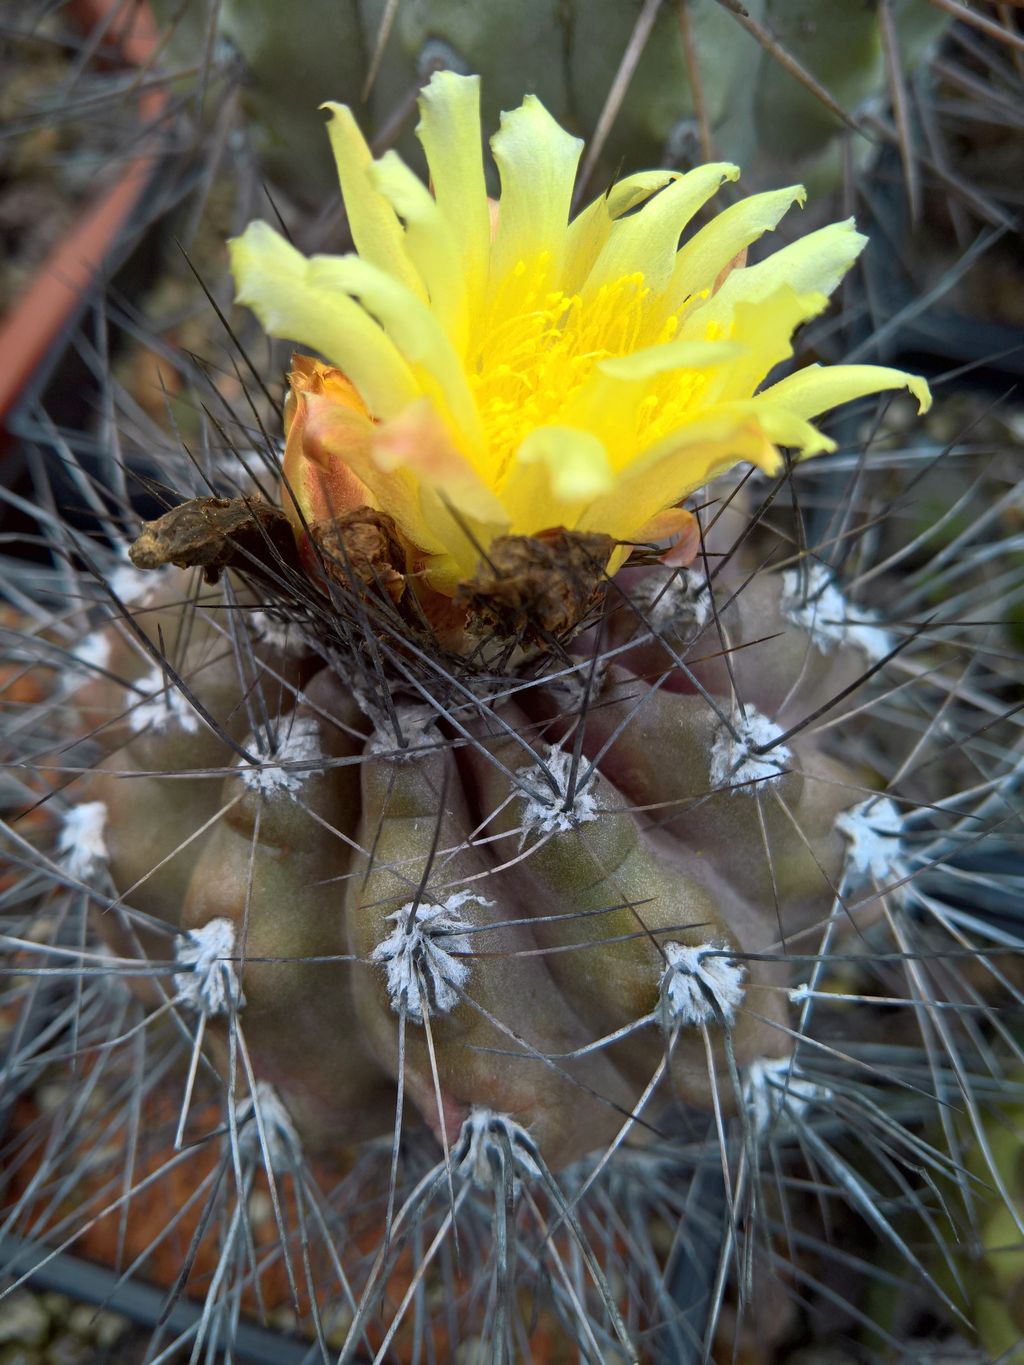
<point>568,52</point>
<point>841,46</point>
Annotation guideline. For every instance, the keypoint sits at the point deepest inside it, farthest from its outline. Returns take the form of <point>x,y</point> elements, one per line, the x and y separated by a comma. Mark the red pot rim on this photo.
<point>54,294</point>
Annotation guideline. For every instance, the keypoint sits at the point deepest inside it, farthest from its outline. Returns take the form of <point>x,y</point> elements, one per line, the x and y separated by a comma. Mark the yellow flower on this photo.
<point>586,374</point>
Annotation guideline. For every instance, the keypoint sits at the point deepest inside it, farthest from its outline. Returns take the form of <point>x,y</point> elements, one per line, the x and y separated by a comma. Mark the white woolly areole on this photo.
<point>811,600</point>
<point>776,1086</point>
<point>685,600</point>
<point>210,986</point>
<point>423,956</point>
<point>734,763</point>
<point>548,812</point>
<point>582,683</point>
<point>80,843</point>
<point>682,999</point>
<point>283,1147</point>
<point>162,706</point>
<point>483,1149</point>
<point>300,745</point>
<point>93,651</point>
<point>417,724</point>
<point>284,636</point>
<point>873,832</point>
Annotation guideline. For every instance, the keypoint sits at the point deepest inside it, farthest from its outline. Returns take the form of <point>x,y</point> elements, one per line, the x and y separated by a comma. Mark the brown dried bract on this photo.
<point>362,548</point>
<point>214,534</point>
<point>535,587</point>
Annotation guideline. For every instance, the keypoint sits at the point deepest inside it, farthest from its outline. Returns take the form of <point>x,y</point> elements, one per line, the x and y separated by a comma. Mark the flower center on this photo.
<point>536,347</point>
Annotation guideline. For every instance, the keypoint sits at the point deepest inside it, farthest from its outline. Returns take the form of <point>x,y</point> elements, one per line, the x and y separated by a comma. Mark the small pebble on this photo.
<point>12,1354</point>
<point>52,1095</point>
<point>23,1320</point>
<point>336,1326</point>
<point>80,1320</point>
<point>261,1208</point>
<point>58,1307</point>
<point>108,1328</point>
<point>69,1349</point>
<point>473,1351</point>
<point>282,1319</point>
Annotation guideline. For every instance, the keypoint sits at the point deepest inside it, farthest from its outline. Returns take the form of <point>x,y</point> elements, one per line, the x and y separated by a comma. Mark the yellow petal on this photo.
<point>414,330</point>
<point>680,527</point>
<point>609,402</point>
<point>417,443</point>
<point>576,461</point>
<point>812,265</point>
<point>646,241</point>
<point>590,229</point>
<point>673,467</point>
<point>763,329</point>
<point>279,284</point>
<point>670,355</point>
<point>375,229</point>
<point>699,263</point>
<point>783,428</point>
<point>400,465</point>
<point>683,460</point>
<point>430,243</point>
<point>449,129</point>
<point>816,389</point>
<point>327,438</point>
<point>537,162</point>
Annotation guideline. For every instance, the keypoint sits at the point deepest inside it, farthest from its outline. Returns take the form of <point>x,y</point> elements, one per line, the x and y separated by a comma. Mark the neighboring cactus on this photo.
<point>757,112</point>
<point>619,881</point>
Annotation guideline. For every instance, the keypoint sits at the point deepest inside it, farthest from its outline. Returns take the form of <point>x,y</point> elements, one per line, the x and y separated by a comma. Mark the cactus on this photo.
<point>749,107</point>
<point>533,978</point>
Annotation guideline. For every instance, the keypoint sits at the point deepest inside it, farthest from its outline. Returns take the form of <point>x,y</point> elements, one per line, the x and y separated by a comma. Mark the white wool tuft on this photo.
<point>874,833</point>
<point>80,842</point>
<point>93,652</point>
<point>284,636</point>
<point>776,1087</point>
<point>301,745</point>
<point>417,724</point>
<point>424,956</point>
<point>283,1148</point>
<point>483,1149</point>
<point>548,813</point>
<point>210,986</point>
<point>162,707</point>
<point>684,600</point>
<point>683,1001</point>
<point>735,765</point>
<point>811,600</point>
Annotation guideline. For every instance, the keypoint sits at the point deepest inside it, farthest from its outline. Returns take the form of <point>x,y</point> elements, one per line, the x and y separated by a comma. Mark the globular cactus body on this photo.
<point>457,911</point>
<point>411,907</point>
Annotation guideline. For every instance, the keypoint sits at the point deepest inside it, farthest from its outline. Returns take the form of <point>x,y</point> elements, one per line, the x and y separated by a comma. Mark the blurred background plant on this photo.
<point>135,142</point>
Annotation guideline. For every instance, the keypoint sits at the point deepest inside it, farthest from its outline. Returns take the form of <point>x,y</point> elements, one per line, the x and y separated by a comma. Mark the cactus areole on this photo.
<point>465,813</point>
